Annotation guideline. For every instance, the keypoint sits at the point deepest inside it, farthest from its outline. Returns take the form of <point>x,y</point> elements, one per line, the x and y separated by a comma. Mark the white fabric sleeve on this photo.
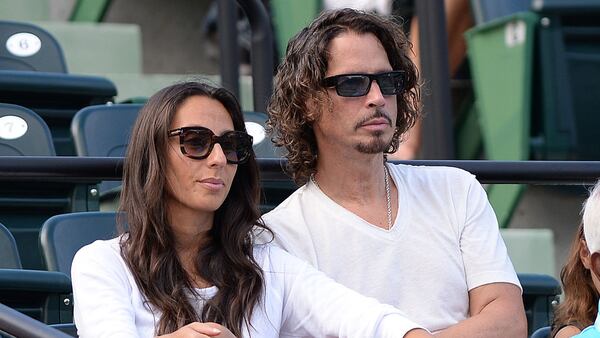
<point>484,253</point>
<point>101,294</point>
<point>317,306</point>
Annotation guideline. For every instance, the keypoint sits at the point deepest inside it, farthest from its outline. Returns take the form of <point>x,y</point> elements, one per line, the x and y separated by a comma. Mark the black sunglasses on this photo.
<point>198,143</point>
<point>354,85</point>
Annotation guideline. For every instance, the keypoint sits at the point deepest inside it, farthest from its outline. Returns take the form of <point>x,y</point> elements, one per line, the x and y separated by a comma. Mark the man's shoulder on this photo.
<point>292,204</point>
<point>433,174</point>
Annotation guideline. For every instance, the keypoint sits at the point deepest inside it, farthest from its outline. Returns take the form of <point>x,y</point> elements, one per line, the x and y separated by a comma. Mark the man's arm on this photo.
<point>496,310</point>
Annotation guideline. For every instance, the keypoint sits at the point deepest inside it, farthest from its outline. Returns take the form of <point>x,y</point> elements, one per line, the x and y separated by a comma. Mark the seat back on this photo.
<point>255,125</point>
<point>9,254</point>
<point>539,294</point>
<point>63,235</point>
<point>28,47</point>
<point>542,332</point>
<point>103,131</point>
<point>23,133</point>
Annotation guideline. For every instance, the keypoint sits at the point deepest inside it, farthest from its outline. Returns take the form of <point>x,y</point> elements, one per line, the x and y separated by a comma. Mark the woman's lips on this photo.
<point>213,184</point>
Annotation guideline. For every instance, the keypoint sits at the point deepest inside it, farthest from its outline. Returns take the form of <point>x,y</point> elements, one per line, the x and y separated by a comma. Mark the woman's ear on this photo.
<point>595,264</point>
<point>584,254</point>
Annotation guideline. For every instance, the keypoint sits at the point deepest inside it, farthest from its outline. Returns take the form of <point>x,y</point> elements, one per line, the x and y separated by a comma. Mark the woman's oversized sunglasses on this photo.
<point>354,85</point>
<point>198,143</point>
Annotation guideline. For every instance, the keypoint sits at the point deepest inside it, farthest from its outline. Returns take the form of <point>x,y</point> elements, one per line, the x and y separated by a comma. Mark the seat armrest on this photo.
<point>35,280</point>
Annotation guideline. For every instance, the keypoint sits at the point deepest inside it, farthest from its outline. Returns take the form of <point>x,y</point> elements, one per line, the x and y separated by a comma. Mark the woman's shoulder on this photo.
<point>100,247</point>
<point>567,331</point>
<point>99,253</point>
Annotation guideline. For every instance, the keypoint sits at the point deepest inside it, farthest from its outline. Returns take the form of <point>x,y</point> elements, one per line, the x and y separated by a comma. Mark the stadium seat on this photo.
<point>29,48</point>
<point>39,294</point>
<point>114,47</point>
<point>539,293</point>
<point>103,131</point>
<point>255,125</point>
<point>25,10</point>
<point>63,235</point>
<point>23,132</point>
<point>542,332</point>
<point>9,254</point>
<point>56,97</point>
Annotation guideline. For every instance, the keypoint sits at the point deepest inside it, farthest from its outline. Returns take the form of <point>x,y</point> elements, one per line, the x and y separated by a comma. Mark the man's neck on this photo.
<point>351,178</point>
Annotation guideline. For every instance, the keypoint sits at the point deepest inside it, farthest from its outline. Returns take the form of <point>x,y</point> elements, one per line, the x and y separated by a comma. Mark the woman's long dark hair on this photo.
<point>226,260</point>
<point>580,306</point>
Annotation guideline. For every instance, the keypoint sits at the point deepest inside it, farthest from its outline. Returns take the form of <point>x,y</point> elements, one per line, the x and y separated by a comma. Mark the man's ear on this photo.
<point>312,111</point>
<point>595,264</point>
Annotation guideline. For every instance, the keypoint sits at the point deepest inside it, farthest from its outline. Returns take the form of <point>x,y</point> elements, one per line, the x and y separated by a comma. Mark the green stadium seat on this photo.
<point>98,48</point>
<point>24,10</point>
<point>565,118</point>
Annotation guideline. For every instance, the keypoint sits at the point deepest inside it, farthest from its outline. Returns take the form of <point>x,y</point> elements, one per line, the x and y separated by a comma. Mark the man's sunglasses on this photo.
<point>198,143</point>
<point>354,85</point>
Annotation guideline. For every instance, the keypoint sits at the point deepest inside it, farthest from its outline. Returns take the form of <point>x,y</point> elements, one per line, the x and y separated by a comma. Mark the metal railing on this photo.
<point>72,168</point>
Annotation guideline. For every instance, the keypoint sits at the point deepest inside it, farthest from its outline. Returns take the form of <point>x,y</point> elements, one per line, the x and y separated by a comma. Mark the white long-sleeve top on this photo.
<point>298,301</point>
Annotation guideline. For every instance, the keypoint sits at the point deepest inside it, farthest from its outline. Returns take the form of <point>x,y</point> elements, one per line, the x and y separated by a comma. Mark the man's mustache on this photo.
<point>377,114</point>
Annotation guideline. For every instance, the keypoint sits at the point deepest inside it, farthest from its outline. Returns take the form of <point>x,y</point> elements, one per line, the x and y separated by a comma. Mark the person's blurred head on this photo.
<point>310,116</point>
<point>591,220</point>
<point>189,154</point>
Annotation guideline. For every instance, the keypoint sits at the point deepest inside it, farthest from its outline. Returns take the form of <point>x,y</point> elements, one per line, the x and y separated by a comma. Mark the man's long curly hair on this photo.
<point>298,92</point>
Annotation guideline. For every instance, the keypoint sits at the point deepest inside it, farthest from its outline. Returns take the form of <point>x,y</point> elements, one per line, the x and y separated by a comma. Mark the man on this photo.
<point>422,239</point>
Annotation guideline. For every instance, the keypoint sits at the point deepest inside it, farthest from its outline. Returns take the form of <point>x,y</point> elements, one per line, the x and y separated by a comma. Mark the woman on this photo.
<point>580,306</point>
<point>190,196</point>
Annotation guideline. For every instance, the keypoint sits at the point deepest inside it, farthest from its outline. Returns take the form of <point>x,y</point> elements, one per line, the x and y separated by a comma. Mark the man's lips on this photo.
<point>379,122</point>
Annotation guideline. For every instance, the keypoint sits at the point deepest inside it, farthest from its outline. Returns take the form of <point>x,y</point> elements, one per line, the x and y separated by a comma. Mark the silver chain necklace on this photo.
<point>388,194</point>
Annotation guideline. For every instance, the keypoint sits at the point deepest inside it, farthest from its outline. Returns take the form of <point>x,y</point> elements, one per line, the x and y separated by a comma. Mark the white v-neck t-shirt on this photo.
<point>444,242</point>
<point>298,301</point>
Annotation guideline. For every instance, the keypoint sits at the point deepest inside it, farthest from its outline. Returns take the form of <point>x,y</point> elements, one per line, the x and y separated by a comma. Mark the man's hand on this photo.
<point>201,330</point>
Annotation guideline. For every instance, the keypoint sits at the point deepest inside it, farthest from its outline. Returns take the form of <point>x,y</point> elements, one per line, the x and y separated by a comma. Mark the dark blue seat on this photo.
<point>542,332</point>
<point>41,295</point>
<point>539,293</point>
<point>9,254</point>
<point>23,132</point>
<point>63,235</point>
<point>103,131</point>
<point>29,48</point>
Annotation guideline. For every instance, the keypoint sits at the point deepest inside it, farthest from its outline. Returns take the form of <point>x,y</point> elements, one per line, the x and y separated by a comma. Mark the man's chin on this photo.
<point>375,147</point>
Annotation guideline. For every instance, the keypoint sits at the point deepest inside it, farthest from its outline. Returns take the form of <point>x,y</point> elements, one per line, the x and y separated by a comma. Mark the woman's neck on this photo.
<point>190,230</point>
